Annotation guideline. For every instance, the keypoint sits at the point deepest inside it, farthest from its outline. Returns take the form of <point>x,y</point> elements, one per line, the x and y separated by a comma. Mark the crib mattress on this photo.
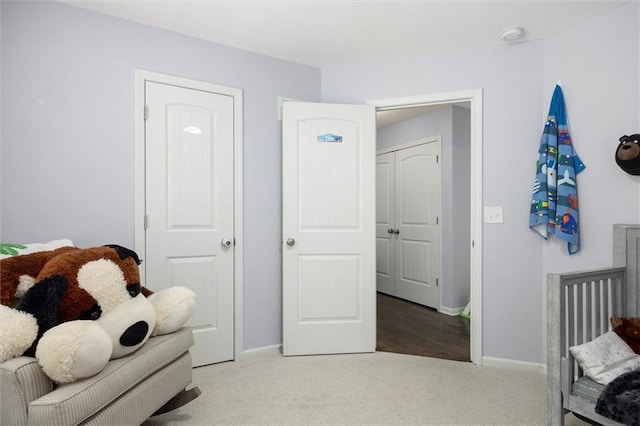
<point>587,389</point>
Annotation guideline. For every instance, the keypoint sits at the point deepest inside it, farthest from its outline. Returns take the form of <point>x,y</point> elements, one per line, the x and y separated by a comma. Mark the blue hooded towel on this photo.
<point>554,205</point>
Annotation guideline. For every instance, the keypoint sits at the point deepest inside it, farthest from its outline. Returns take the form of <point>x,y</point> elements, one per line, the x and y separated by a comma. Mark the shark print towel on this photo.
<point>554,205</point>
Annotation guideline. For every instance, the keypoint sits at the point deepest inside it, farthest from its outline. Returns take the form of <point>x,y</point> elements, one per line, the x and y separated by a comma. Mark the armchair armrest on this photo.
<point>22,381</point>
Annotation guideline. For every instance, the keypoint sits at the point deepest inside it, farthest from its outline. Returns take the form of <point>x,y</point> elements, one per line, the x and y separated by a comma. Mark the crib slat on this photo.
<point>579,309</point>
<point>571,317</point>
<point>597,307</point>
<point>588,311</point>
<point>606,306</point>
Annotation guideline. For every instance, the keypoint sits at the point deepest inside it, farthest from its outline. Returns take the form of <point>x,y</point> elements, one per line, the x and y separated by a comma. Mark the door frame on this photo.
<point>474,97</point>
<point>142,76</point>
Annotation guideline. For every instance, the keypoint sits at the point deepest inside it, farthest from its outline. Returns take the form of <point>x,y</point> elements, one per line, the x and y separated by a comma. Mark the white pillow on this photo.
<point>605,357</point>
<point>35,247</point>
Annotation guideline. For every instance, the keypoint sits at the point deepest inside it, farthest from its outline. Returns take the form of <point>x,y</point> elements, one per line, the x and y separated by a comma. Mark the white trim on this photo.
<point>281,101</point>
<point>141,76</point>
<point>474,96</point>
<point>510,364</point>
<point>434,138</point>
<point>262,352</point>
<point>454,312</point>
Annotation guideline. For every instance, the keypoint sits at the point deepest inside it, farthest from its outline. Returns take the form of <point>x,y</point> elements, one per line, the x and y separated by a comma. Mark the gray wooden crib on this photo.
<point>579,306</point>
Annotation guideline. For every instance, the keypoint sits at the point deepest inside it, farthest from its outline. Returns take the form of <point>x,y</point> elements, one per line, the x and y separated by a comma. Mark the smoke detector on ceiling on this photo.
<point>512,34</point>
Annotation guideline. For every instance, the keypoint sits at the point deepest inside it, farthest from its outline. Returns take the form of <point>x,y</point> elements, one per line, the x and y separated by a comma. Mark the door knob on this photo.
<point>397,231</point>
<point>291,242</point>
<point>225,242</point>
<point>390,231</point>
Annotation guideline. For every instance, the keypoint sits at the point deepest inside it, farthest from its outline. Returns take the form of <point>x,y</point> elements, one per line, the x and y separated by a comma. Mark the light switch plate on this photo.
<point>493,215</point>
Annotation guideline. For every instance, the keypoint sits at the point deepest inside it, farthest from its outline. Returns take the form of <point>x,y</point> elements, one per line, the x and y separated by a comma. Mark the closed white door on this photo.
<point>189,208</point>
<point>418,207</point>
<point>408,214</point>
<point>385,223</point>
<point>328,229</point>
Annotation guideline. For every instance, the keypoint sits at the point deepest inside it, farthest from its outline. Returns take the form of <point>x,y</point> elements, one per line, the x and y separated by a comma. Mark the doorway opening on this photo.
<point>410,328</point>
<point>472,99</point>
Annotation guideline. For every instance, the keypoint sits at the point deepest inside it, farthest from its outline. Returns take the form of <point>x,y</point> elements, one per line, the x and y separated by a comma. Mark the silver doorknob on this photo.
<point>390,231</point>
<point>225,242</point>
<point>291,242</point>
<point>397,231</point>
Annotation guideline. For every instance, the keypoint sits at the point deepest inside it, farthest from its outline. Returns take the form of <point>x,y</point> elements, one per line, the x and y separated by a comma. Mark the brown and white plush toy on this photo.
<point>75,309</point>
<point>629,330</point>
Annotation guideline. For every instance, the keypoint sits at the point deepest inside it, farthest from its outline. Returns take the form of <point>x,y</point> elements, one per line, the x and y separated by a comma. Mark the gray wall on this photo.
<point>517,81</point>
<point>461,202</point>
<point>67,142</point>
<point>453,124</point>
<point>68,135</point>
<point>605,108</point>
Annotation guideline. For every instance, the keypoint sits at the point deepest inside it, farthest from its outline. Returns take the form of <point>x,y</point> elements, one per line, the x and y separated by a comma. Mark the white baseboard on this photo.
<point>454,312</point>
<point>264,351</point>
<point>510,364</point>
<point>487,361</point>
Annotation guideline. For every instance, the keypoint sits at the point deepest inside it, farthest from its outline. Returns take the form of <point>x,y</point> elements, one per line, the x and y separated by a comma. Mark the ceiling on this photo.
<point>321,33</point>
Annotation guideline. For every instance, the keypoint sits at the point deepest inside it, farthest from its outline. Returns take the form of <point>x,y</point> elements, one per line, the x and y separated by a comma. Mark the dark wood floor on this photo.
<point>409,328</point>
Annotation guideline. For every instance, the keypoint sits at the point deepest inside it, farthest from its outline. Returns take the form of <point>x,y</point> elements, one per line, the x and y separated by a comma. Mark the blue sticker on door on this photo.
<point>329,137</point>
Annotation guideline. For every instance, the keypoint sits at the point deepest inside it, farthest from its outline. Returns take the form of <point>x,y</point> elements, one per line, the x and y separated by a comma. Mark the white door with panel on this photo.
<point>385,223</point>
<point>189,208</point>
<point>328,229</point>
<point>413,244</point>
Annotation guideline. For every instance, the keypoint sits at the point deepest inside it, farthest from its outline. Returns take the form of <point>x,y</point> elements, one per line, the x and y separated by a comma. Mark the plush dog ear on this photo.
<point>124,252</point>
<point>14,269</point>
<point>42,301</point>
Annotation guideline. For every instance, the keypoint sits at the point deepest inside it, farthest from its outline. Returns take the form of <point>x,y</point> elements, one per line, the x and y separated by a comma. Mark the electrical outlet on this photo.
<point>493,215</point>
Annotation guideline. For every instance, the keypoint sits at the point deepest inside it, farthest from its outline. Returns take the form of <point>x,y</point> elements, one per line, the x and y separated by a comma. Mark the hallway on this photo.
<point>409,328</point>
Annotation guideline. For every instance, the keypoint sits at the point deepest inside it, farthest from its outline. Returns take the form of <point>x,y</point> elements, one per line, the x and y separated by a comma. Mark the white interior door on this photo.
<point>385,223</point>
<point>328,229</point>
<point>189,208</point>
<point>418,210</point>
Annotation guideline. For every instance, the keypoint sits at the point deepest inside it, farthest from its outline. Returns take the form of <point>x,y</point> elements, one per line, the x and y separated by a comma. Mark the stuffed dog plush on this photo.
<point>629,330</point>
<point>75,309</point>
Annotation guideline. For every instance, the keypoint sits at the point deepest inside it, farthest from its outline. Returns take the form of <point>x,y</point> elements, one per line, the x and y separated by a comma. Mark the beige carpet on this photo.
<point>367,389</point>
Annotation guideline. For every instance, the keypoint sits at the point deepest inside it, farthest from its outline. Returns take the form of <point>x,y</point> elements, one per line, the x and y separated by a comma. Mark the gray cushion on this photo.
<point>135,406</point>
<point>72,403</point>
<point>22,381</point>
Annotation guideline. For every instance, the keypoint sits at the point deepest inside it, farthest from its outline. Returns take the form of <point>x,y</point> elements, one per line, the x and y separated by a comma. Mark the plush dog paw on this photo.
<point>18,331</point>
<point>73,350</point>
<point>174,306</point>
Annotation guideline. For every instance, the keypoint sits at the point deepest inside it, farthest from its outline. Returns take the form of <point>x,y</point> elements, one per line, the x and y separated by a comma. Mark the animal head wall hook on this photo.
<point>628,154</point>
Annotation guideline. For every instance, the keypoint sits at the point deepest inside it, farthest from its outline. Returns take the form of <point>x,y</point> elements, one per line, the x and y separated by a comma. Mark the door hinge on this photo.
<point>437,220</point>
<point>146,112</point>
<point>437,283</point>
<point>146,221</point>
<point>437,159</point>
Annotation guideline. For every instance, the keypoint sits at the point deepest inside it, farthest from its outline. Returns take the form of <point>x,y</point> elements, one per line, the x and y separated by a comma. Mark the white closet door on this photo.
<point>408,211</point>
<point>385,223</point>
<point>418,211</point>
<point>189,206</point>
